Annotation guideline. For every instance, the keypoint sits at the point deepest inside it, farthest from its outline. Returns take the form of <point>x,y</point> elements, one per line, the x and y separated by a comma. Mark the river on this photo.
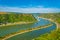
<point>29,35</point>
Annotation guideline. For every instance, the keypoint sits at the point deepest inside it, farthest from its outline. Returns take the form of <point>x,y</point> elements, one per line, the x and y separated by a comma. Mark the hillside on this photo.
<point>10,17</point>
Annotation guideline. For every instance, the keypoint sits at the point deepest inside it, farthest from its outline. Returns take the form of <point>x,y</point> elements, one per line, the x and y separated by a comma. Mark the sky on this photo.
<point>30,6</point>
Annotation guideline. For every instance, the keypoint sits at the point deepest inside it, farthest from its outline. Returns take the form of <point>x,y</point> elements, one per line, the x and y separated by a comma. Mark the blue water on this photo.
<point>29,35</point>
<point>42,22</point>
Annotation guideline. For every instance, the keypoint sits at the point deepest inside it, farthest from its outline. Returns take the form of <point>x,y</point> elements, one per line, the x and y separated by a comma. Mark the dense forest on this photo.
<point>15,17</point>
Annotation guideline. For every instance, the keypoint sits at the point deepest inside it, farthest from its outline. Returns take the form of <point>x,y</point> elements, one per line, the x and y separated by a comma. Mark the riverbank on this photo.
<point>51,21</point>
<point>15,23</point>
<point>54,35</point>
<point>24,31</point>
<point>53,16</point>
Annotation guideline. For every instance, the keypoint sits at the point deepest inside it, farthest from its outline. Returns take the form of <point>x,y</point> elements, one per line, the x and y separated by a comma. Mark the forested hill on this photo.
<point>10,17</point>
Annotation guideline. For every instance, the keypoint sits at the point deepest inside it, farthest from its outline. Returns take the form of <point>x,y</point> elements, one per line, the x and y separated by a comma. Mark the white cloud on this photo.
<point>38,9</point>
